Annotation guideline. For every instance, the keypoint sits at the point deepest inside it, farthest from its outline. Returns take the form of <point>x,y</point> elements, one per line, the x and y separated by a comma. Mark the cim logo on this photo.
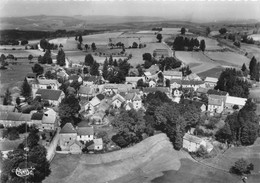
<point>23,172</point>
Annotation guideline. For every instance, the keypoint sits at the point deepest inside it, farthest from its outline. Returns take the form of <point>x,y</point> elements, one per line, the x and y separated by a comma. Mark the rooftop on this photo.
<point>48,94</point>
<point>211,80</point>
<point>192,138</point>
<point>85,131</point>
<point>68,128</point>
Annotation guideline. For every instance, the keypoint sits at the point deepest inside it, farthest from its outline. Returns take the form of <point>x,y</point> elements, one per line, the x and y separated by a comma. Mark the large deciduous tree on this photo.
<point>89,60</point>
<point>159,37</point>
<point>38,69</point>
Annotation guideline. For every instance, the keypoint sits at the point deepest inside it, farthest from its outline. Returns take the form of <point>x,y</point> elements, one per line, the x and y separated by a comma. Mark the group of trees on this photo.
<point>115,71</point>
<point>7,97</point>
<point>46,58</point>
<point>33,156</point>
<point>223,30</point>
<point>240,127</point>
<point>254,69</point>
<point>61,60</point>
<point>231,81</point>
<point>180,43</point>
<point>45,45</point>
<point>161,114</point>
<point>89,61</point>
<point>38,69</point>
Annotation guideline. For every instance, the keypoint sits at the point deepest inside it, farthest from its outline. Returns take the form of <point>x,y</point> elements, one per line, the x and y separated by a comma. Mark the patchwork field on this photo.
<point>22,53</point>
<point>214,72</point>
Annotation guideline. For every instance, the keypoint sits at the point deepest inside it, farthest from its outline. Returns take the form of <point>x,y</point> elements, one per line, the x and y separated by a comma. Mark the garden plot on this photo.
<point>211,44</point>
<point>228,58</point>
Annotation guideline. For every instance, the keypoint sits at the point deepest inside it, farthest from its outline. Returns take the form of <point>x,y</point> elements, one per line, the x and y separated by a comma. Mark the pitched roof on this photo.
<point>129,96</point>
<point>153,69</point>
<point>95,101</point>
<point>14,116</point>
<point>215,100</point>
<point>236,100</point>
<point>193,76</point>
<point>137,97</point>
<point>86,90</point>
<point>202,90</point>
<point>74,77</point>
<point>48,94</point>
<point>68,128</point>
<point>37,116</point>
<point>217,92</point>
<point>7,108</point>
<point>83,124</point>
<point>119,97</point>
<point>133,79</point>
<point>100,96</point>
<point>31,75</point>
<point>211,80</point>
<point>192,138</point>
<point>49,117</point>
<point>93,79</point>
<point>48,82</point>
<point>85,131</point>
<point>172,73</point>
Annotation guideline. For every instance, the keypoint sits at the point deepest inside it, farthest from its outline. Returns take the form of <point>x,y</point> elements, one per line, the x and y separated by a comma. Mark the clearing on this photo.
<point>142,162</point>
<point>211,44</point>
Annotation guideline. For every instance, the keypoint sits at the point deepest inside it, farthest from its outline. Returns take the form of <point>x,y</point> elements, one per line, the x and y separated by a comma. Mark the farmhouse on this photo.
<point>68,135</point>
<point>172,75</point>
<point>85,134</point>
<point>54,97</point>
<point>211,82</point>
<point>215,104</point>
<point>46,84</point>
<point>192,143</point>
<point>231,102</point>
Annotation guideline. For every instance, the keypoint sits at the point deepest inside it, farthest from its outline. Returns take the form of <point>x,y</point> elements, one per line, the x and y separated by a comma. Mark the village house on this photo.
<point>218,92</point>
<point>54,97</point>
<point>86,91</point>
<point>128,106</point>
<point>46,84</point>
<point>192,76</point>
<point>85,134</point>
<point>192,143</point>
<point>92,80</point>
<point>49,120</point>
<point>177,83</point>
<point>31,77</point>
<point>211,82</point>
<point>117,101</point>
<point>36,118</point>
<point>202,91</point>
<point>92,105</point>
<point>215,104</point>
<point>8,119</point>
<point>133,80</point>
<point>172,75</point>
<point>137,102</point>
<point>76,148</point>
<point>233,102</point>
<point>68,136</point>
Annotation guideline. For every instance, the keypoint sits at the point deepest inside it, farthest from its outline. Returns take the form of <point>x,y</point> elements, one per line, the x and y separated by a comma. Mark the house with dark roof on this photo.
<point>68,136</point>
<point>85,134</point>
<point>9,119</point>
<point>86,91</point>
<point>54,97</point>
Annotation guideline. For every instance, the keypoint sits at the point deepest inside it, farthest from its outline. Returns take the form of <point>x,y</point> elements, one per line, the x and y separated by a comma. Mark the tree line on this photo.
<point>184,43</point>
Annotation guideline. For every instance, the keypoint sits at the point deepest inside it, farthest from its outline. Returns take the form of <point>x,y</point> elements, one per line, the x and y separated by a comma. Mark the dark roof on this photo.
<point>31,75</point>
<point>68,128</point>
<point>37,116</point>
<point>74,77</point>
<point>85,131</point>
<point>100,96</point>
<point>48,94</point>
<point>92,78</point>
<point>216,92</point>
<point>83,124</point>
<point>86,90</point>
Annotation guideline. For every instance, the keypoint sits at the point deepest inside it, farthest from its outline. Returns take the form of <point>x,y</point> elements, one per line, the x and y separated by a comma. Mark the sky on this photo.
<point>191,10</point>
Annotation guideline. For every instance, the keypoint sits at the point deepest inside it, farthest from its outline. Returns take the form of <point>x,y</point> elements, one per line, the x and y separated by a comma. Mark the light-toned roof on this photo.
<point>192,138</point>
<point>49,117</point>
<point>86,90</point>
<point>68,128</point>
<point>129,96</point>
<point>119,97</point>
<point>133,79</point>
<point>172,73</point>
<point>98,142</point>
<point>215,100</point>
<point>147,73</point>
<point>137,97</point>
<point>95,101</point>
<point>236,100</point>
<point>48,81</point>
<point>15,116</point>
<point>193,76</point>
<point>211,80</point>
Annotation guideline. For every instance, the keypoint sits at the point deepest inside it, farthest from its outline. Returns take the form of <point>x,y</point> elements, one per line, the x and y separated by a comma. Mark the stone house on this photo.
<point>68,136</point>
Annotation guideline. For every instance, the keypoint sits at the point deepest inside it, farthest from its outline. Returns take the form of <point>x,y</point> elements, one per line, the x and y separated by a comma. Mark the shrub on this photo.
<point>58,148</point>
<point>13,134</point>
<point>201,152</point>
<point>120,140</point>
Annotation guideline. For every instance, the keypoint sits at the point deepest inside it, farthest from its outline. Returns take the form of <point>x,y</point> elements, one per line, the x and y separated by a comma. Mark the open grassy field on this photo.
<point>214,72</point>
<point>140,163</point>
<point>22,53</point>
<point>196,60</point>
<point>231,58</point>
<point>211,44</point>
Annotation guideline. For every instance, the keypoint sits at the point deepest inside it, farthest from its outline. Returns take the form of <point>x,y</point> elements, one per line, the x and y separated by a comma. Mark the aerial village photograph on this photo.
<point>130,91</point>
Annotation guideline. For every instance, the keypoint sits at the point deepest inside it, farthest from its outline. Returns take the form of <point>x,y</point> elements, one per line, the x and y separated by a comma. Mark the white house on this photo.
<point>92,105</point>
<point>68,136</point>
<point>46,84</point>
<point>215,104</point>
<point>232,101</point>
<point>85,134</point>
<point>192,143</point>
<point>172,74</point>
<point>211,82</point>
<point>98,144</point>
<point>49,120</point>
<point>137,102</point>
